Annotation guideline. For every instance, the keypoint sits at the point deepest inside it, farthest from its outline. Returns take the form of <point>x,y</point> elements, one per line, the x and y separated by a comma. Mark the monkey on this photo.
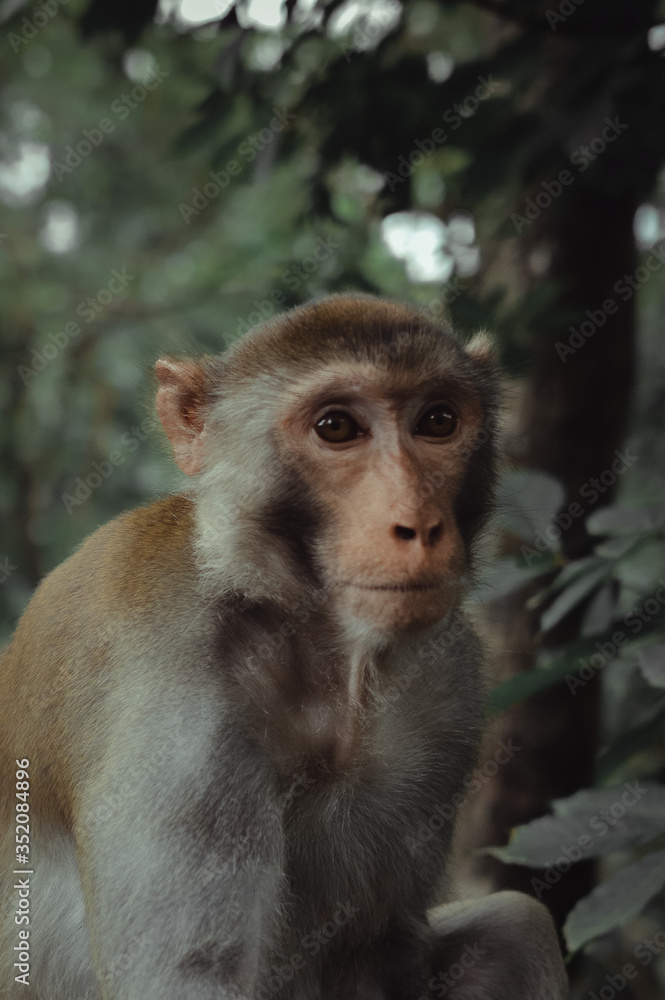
<point>241,711</point>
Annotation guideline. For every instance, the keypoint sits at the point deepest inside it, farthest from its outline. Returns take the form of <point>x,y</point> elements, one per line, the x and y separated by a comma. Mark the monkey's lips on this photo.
<point>398,606</point>
<point>395,587</point>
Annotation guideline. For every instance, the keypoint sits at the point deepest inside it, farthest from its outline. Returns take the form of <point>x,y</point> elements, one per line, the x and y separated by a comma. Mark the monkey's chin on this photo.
<point>394,610</point>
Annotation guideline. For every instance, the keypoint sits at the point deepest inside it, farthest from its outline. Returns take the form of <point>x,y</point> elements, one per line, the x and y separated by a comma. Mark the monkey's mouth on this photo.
<point>397,606</point>
<point>398,588</point>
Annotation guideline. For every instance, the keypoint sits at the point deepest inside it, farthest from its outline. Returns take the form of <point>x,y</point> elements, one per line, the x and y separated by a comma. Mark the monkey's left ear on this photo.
<point>180,397</point>
<point>483,349</point>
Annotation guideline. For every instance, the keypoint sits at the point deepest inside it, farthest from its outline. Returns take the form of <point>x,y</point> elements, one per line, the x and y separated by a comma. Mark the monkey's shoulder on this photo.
<point>136,567</point>
<point>133,555</point>
<point>150,551</point>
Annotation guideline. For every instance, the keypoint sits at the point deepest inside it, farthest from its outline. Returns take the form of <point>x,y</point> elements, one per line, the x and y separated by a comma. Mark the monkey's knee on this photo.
<point>503,947</point>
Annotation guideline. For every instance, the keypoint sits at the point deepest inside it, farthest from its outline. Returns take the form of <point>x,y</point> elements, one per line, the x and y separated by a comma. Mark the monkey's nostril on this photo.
<point>406,533</point>
<point>435,533</point>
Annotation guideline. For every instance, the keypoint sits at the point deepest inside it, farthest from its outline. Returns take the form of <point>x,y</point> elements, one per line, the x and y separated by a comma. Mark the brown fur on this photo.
<point>227,799</point>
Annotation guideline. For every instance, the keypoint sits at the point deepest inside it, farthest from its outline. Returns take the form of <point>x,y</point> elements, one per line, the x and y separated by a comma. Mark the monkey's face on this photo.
<point>346,445</point>
<point>385,459</point>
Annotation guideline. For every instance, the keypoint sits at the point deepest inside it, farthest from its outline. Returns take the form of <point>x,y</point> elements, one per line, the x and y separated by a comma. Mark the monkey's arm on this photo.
<point>138,755</point>
<point>181,874</point>
<point>503,947</point>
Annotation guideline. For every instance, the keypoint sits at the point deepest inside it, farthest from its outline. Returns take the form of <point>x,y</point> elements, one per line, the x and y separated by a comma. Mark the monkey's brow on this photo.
<point>398,387</point>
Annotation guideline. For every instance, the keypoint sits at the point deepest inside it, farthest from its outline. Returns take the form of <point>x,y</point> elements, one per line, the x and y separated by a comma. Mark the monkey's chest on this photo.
<point>353,853</point>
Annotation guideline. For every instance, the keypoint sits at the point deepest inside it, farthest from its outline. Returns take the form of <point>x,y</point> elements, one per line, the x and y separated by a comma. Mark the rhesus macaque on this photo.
<point>245,709</point>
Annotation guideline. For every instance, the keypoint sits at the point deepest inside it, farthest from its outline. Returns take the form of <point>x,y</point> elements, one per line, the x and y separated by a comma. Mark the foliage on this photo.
<point>620,588</point>
<point>451,116</point>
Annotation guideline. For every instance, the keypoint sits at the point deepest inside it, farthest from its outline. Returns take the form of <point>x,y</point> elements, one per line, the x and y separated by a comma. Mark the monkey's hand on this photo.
<point>503,947</point>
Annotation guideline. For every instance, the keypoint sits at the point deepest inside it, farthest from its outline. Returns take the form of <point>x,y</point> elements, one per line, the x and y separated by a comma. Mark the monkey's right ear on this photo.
<point>182,390</point>
<point>483,349</point>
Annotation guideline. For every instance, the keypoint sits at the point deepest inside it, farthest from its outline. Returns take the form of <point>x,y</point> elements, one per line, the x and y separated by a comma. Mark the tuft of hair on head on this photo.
<point>483,348</point>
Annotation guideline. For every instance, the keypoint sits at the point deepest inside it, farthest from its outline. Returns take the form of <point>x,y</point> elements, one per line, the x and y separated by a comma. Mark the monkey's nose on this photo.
<point>428,534</point>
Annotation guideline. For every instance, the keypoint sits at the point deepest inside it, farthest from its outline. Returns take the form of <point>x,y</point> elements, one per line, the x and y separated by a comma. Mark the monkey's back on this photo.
<point>59,664</point>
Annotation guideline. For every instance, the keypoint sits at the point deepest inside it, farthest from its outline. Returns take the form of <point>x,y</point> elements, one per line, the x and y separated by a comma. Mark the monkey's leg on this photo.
<point>503,947</point>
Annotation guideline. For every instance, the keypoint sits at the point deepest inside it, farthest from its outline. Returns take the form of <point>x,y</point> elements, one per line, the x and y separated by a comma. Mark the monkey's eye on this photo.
<point>439,422</point>
<point>336,427</point>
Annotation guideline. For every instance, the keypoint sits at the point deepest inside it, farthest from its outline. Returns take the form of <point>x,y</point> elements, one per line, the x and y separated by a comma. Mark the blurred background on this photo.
<point>171,174</point>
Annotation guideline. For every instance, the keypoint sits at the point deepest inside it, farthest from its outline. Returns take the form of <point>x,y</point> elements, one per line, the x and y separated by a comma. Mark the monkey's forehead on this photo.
<point>346,381</point>
<point>345,328</point>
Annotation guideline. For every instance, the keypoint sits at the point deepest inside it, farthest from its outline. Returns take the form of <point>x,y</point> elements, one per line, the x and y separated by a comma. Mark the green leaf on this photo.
<point>652,665</point>
<point>624,520</point>
<point>639,737</point>
<point>554,665</point>
<point>600,613</point>
<point>643,568</point>
<point>504,576</point>
<point>589,824</point>
<point>530,682</point>
<point>571,597</point>
<point>617,901</point>
<point>527,502</point>
<point>574,570</point>
<point>614,548</point>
